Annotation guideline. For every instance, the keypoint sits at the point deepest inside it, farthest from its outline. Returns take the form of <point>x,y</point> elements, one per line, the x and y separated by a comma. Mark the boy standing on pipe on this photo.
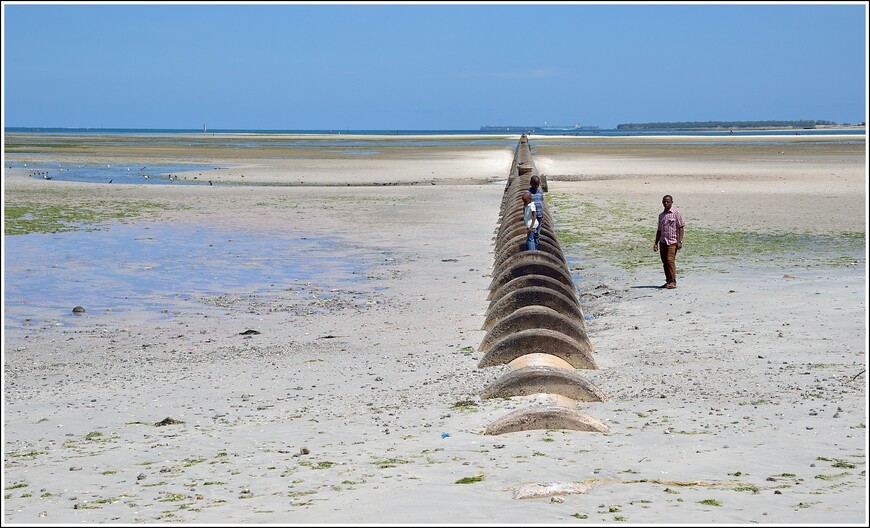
<point>538,199</point>
<point>531,220</point>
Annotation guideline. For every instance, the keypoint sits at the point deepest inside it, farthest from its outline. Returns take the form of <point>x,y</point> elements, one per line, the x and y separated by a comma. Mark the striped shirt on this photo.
<point>669,223</point>
<point>538,199</point>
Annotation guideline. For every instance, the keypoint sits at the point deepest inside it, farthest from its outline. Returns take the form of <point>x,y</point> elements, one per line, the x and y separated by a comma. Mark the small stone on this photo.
<point>78,310</point>
<point>168,421</point>
<point>537,490</point>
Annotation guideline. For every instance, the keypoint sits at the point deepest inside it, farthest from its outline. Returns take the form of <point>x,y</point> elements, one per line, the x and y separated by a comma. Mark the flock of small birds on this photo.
<point>45,175</point>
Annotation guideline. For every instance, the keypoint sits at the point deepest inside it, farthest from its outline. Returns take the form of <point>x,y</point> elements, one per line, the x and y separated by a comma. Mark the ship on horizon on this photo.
<point>531,129</point>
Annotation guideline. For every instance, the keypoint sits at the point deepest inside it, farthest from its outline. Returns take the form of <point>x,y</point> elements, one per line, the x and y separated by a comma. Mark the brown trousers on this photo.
<point>669,255</point>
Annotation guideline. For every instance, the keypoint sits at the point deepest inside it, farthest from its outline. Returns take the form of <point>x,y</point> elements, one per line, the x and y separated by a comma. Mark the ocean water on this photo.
<point>28,142</point>
<point>176,173</point>
<point>154,266</point>
<point>603,132</point>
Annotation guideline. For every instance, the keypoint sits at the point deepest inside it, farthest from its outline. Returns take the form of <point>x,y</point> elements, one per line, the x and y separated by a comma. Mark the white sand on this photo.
<point>737,398</point>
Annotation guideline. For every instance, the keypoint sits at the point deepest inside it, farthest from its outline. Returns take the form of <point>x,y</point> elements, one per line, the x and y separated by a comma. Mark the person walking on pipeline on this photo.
<point>531,221</point>
<point>538,199</point>
<point>669,239</point>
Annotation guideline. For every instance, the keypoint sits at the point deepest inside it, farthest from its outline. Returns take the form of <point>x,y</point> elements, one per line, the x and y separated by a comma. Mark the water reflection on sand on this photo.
<point>156,266</point>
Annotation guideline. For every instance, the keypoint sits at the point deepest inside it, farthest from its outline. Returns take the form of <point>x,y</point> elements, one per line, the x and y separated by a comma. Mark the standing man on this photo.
<point>538,199</point>
<point>669,238</point>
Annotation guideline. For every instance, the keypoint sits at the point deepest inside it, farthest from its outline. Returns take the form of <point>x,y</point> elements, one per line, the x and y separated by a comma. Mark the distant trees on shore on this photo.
<point>693,125</point>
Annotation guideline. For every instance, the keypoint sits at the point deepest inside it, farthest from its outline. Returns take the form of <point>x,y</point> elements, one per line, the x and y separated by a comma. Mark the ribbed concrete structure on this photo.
<point>534,322</point>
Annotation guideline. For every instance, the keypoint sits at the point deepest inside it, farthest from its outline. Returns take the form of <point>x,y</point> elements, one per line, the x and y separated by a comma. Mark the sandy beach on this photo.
<point>326,372</point>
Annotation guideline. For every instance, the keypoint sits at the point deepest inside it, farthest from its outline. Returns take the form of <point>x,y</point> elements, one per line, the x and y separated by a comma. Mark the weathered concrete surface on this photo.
<point>536,359</point>
<point>526,281</point>
<point>550,417</point>
<point>523,267</point>
<point>531,256</point>
<point>520,229</point>
<point>538,341</point>
<point>531,318</point>
<point>517,245</point>
<point>537,379</point>
<point>532,296</point>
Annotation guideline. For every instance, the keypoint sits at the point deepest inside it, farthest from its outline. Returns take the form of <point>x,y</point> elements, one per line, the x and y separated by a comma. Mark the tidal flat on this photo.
<point>325,369</point>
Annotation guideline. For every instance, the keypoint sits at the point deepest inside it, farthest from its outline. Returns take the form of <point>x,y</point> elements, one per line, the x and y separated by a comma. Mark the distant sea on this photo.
<point>350,142</point>
<point>546,132</point>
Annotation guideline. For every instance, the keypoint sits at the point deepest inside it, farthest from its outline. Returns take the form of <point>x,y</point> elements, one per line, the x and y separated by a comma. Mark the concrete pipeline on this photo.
<point>535,324</point>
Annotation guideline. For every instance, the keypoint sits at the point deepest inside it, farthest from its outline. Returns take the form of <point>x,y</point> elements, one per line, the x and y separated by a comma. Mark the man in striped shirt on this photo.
<point>669,238</point>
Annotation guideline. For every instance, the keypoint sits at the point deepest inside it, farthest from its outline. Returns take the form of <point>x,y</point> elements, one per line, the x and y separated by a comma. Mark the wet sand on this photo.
<point>739,397</point>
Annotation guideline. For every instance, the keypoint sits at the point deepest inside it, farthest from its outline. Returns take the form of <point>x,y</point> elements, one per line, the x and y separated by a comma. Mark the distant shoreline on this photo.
<point>511,130</point>
<point>750,128</point>
<point>827,133</point>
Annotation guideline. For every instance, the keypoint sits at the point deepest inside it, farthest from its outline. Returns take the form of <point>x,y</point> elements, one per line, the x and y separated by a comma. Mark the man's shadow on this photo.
<point>647,287</point>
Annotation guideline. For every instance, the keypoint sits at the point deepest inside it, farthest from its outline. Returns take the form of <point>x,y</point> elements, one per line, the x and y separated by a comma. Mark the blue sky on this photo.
<point>429,66</point>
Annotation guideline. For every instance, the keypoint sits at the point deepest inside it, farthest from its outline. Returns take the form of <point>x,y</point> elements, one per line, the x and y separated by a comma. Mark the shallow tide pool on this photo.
<point>152,266</point>
<point>180,173</point>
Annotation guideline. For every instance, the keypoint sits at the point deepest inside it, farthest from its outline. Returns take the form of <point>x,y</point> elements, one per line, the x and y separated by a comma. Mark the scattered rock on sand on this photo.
<point>538,490</point>
<point>168,421</point>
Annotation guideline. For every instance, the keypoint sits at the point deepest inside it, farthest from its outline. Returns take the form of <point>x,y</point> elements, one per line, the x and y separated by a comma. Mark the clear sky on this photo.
<point>438,66</point>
